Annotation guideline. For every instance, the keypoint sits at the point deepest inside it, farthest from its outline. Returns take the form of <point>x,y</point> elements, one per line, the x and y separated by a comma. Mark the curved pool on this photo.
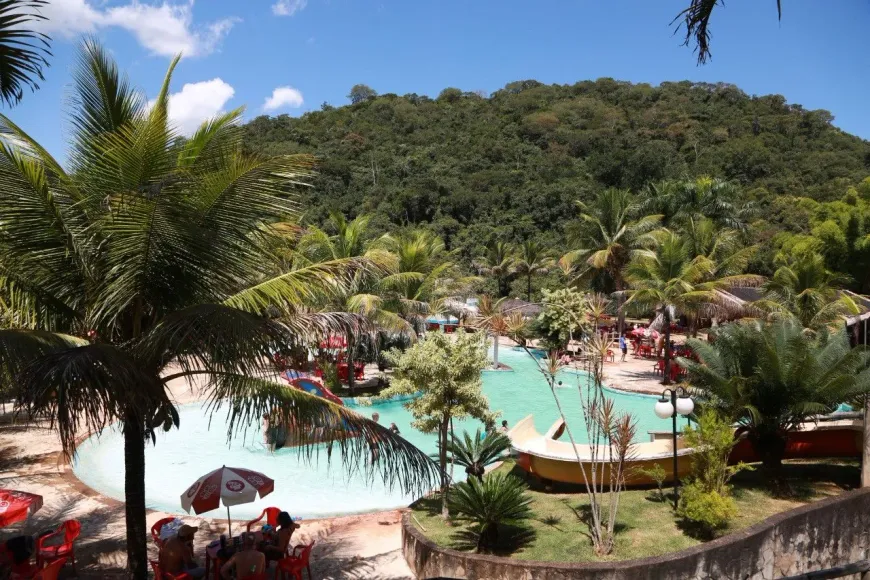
<point>316,490</point>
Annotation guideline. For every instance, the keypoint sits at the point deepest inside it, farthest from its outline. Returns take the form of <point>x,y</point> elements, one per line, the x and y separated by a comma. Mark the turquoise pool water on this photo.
<point>316,490</point>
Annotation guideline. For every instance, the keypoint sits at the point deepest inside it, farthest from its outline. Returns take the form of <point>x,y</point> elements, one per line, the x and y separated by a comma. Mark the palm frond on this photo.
<point>362,445</point>
<point>23,50</point>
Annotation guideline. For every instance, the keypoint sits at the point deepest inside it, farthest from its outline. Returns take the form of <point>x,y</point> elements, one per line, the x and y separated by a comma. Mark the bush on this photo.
<point>709,509</point>
<point>498,499</point>
<point>658,474</point>
<point>712,439</point>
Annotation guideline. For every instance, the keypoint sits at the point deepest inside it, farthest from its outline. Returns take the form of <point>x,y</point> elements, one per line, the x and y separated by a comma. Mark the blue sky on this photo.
<point>289,56</point>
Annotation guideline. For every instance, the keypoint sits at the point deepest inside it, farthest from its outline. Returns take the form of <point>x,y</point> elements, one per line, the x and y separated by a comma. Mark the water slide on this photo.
<point>547,457</point>
<point>310,385</point>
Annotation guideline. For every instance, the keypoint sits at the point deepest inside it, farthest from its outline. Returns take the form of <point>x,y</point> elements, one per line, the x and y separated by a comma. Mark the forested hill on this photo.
<point>512,163</point>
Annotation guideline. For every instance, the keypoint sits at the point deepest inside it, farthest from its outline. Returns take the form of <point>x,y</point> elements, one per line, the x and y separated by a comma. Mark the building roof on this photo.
<point>528,309</point>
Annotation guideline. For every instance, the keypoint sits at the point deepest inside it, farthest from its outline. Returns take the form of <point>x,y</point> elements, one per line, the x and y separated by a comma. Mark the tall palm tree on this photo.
<point>159,251</point>
<point>671,283</point>
<point>771,377</point>
<point>362,295</point>
<point>23,50</point>
<point>498,262</point>
<point>804,289</point>
<point>425,273</point>
<point>725,249</point>
<point>532,260</point>
<point>607,237</point>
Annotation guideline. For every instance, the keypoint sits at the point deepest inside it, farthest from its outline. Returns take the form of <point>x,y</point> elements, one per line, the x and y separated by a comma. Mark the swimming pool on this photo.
<point>315,490</point>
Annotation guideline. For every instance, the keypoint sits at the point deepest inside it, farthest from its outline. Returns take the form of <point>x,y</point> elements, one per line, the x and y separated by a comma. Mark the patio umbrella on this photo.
<point>16,506</point>
<point>230,485</point>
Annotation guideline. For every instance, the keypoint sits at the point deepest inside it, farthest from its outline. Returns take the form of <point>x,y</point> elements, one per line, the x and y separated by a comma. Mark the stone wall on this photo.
<point>828,533</point>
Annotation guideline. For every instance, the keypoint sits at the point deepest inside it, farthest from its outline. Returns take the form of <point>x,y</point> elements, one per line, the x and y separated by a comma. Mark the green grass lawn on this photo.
<point>645,526</point>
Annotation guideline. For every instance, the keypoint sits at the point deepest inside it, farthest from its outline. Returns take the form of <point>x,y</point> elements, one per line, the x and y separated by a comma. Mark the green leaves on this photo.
<point>497,499</point>
<point>23,51</point>
<point>772,377</point>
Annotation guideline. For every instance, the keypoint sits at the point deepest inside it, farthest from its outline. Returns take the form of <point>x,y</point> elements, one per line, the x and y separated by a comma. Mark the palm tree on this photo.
<point>697,199</point>
<point>497,499</point>
<point>475,452</point>
<point>491,319</point>
<point>159,250</point>
<point>607,238</point>
<point>424,275</point>
<point>671,283</point>
<point>772,377</point>
<point>362,295</point>
<point>532,260</point>
<point>725,249</point>
<point>498,262</point>
<point>804,289</point>
<point>23,50</point>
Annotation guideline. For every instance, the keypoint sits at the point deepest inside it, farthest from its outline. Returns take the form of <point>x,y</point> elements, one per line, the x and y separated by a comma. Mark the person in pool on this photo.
<point>394,429</point>
<point>286,527</point>
<point>247,562</point>
<point>504,427</point>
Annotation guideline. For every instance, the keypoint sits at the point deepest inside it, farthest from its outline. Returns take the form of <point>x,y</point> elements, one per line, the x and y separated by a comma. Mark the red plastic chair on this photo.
<point>155,530</point>
<point>659,367</point>
<point>161,575</point>
<point>50,572</point>
<point>271,515</point>
<point>69,530</point>
<point>610,356</point>
<point>292,565</point>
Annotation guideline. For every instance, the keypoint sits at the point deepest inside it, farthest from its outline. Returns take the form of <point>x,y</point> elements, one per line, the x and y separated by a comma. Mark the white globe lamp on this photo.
<point>664,409</point>
<point>685,406</point>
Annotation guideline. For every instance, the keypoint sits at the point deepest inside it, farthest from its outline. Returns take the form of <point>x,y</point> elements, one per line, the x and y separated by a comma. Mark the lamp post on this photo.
<point>672,403</point>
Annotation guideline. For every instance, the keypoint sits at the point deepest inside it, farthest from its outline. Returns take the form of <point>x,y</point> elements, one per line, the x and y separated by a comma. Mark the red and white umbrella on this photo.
<point>16,506</point>
<point>230,485</point>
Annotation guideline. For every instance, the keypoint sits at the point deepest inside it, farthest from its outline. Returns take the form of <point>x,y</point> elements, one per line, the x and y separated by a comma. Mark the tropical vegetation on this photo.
<point>769,378</point>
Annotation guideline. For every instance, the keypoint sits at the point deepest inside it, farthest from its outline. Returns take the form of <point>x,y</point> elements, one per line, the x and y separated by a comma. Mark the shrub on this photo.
<point>712,439</point>
<point>709,509</point>
<point>497,499</point>
<point>658,474</point>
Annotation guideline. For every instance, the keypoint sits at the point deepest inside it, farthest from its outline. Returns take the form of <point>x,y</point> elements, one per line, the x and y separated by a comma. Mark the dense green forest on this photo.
<point>472,167</point>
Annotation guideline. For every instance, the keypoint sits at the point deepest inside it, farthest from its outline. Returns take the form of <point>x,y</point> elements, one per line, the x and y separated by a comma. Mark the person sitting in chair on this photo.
<point>246,562</point>
<point>176,557</point>
<point>286,527</point>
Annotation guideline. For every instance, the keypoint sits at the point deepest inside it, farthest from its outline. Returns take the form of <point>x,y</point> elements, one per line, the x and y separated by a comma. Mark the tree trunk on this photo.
<point>620,300</point>
<point>351,383</point>
<point>529,287</point>
<point>442,459</point>
<point>134,496</point>
<point>667,366</point>
<point>495,350</point>
<point>865,453</point>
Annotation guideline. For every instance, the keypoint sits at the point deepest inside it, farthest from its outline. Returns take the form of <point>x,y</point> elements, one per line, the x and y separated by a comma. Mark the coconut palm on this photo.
<point>362,295</point>
<point>475,452</point>
<point>498,263</point>
<point>531,260</point>
<point>497,499</point>
<point>424,274</point>
<point>771,377</point>
<point>671,283</point>
<point>607,238</point>
<point>804,289</point>
<point>159,251</point>
<point>23,50</point>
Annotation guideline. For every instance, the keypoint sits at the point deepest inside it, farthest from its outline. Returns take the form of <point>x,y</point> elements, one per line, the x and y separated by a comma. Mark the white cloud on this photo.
<point>197,102</point>
<point>288,7</point>
<point>164,29</point>
<point>283,97</point>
